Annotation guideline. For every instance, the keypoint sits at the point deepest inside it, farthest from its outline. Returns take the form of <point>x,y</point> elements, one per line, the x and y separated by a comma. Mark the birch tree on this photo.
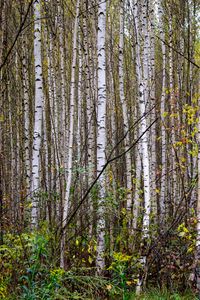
<point>142,73</point>
<point>196,270</point>
<point>152,99</point>
<point>71,138</point>
<point>26,116</point>
<point>87,90</point>
<point>38,112</point>
<point>101,134</point>
<point>90,90</point>
<point>162,111</point>
<point>124,109</point>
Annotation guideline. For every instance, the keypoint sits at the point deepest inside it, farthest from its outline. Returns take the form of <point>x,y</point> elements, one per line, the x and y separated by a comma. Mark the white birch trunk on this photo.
<point>143,98</point>
<point>151,88</point>
<point>37,114</point>
<point>162,111</point>
<point>79,117</point>
<point>197,254</point>
<point>111,133</point>
<point>54,116</point>
<point>62,129</point>
<point>124,109</point>
<point>71,138</point>
<point>101,134</point>
<point>12,155</point>
<point>174,183</point>
<point>26,100</point>
<point>137,194</point>
<point>89,108</point>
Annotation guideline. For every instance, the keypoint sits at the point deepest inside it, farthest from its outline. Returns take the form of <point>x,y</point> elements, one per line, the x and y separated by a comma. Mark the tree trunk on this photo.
<point>101,135</point>
<point>71,138</point>
<point>37,134</point>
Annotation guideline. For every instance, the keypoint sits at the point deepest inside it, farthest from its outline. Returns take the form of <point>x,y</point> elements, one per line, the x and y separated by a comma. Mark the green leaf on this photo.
<point>2,119</point>
<point>90,259</point>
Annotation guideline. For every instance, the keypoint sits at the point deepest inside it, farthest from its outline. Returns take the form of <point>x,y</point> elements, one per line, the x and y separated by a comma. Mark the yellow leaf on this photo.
<point>164,114</point>
<point>183,159</point>
<point>185,230</point>
<point>123,211</point>
<point>157,191</point>
<point>90,260</point>
<point>190,249</point>
<point>182,234</point>
<point>109,287</point>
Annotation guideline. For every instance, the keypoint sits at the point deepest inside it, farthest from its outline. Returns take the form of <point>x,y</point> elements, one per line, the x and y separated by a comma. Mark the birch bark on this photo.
<point>101,134</point>
<point>71,138</point>
<point>89,94</point>
<point>63,109</point>
<point>142,74</point>
<point>124,109</point>
<point>152,96</point>
<point>37,114</point>
<point>26,100</point>
<point>197,254</point>
<point>162,111</point>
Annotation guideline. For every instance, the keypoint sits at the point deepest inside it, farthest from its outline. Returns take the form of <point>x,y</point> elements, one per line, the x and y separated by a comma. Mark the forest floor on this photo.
<point>162,295</point>
<point>29,271</point>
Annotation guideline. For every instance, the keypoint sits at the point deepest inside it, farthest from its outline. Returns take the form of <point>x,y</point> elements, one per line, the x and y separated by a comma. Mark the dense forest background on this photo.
<point>99,149</point>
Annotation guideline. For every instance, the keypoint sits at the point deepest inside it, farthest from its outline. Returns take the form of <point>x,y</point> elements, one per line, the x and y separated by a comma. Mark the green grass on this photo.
<point>156,294</point>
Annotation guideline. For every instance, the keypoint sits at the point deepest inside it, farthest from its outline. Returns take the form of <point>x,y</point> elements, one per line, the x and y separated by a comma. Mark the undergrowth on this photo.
<point>29,271</point>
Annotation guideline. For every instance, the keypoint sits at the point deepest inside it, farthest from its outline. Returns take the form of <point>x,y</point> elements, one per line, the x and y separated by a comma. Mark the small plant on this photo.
<point>36,271</point>
<point>119,268</point>
<point>55,278</point>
